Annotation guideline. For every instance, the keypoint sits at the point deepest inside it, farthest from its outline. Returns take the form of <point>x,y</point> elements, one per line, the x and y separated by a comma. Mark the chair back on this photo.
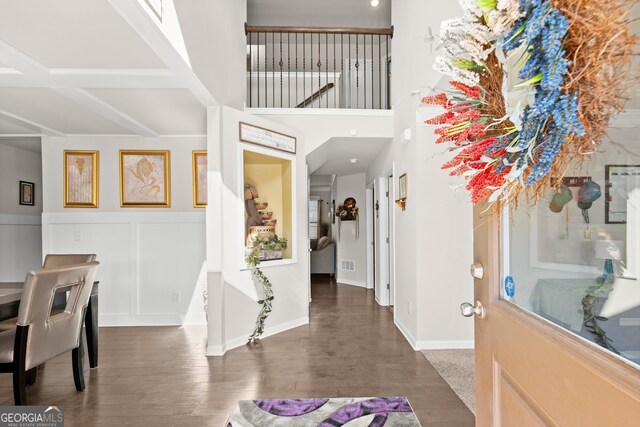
<point>58,260</point>
<point>50,334</point>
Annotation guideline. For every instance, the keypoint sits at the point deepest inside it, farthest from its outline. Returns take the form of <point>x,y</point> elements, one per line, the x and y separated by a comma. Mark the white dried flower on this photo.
<point>445,66</point>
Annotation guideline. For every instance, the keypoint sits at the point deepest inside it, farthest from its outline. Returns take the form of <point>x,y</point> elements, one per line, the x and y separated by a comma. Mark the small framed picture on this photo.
<point>144,179</point>
<point>27,193</point>
<point>402,187</point>
<point>81,179</point>
<point>199,179</point>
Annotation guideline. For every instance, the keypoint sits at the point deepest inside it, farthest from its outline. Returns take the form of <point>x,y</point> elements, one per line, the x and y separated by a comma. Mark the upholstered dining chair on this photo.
<point>40,334</point>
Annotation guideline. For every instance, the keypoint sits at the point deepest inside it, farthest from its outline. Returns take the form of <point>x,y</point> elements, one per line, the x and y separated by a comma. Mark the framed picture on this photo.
<point>619,181</point>
<point>199,179</point>
<point>267,138</point>
<point>144,179</point>
<point>402,187</point>
<point>81,179</point>
<point>27,193</point>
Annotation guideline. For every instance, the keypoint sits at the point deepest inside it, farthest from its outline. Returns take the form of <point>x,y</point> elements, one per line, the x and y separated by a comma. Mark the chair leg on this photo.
<point>78,374</point>
<point>20,387</point>
<point>31,376</point>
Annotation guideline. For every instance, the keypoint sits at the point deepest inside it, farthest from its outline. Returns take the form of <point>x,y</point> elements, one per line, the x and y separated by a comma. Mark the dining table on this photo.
<point>11,293</point>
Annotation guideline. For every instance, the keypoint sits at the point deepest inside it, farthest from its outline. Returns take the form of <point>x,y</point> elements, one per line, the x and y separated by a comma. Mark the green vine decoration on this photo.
<point>590,322</point>
<point>253,259</point>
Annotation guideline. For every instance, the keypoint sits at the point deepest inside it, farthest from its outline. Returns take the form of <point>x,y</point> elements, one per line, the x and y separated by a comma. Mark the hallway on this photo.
<point>159,376</point>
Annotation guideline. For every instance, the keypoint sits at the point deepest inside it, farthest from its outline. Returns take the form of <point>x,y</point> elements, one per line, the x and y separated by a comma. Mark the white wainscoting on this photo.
<point>149,262</point>
<point>20,246</point>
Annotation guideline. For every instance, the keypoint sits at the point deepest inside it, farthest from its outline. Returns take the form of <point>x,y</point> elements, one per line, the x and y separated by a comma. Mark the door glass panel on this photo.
<point>573,258</point>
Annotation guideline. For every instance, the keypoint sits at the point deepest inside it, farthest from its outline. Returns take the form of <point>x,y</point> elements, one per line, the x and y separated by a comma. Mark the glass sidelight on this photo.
<point>573,258</point>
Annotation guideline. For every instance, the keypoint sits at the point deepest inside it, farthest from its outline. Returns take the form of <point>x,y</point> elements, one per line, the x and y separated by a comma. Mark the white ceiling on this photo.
<point>332,157</point>
<point>324,13</point>
<point>71,67</point>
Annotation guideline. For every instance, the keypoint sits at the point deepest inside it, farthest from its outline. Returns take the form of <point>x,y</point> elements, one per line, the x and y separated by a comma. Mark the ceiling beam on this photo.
<point>133,12</point>
<point>12,57</point>
<point>104,109</point>
<point>29,124</point>
<point>98,79</point>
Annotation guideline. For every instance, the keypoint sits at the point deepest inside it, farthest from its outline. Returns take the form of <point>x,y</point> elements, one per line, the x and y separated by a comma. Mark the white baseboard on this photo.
<point>351,282</point>
<point>214,350</point>
<point>406,333</point>
<point>114,320</point>
<point>445,345</point>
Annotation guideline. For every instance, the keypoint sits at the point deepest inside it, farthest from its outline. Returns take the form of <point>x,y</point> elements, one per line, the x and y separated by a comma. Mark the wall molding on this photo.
<point>122,217</point>
<point>7,219</point>
<point>220,350</point>
<point>445,345</point>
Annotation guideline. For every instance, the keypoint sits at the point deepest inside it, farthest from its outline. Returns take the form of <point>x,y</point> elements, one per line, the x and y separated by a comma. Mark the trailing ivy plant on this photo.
<point>253,259</point>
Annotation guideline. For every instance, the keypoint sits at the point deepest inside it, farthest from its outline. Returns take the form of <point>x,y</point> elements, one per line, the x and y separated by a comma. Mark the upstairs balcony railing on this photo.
<point>313,67</point>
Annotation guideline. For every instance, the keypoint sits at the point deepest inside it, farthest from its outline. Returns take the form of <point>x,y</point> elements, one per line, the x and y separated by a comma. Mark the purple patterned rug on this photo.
<point>351,412</point>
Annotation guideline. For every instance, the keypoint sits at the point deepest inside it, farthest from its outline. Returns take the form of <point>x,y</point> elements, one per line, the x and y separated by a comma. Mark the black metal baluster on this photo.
<point>372,76</point>
<point>288,70</point>
<point>273,70</point>
<point>364,59</point>
<point>319,73</point>
<point>342,79</point>
<point>379,72</point>
<point>335,83</point>
<point>326,66</point>
<point>250,67</point>
<point>258,46</point>
<point>357,72</point>
<point>297,70</point>
<point>311,79</point>
<point>388,76</point>
<point>304,69</point>
<point>280,64</point>
<point>349,87</point>
<point>266,67</point>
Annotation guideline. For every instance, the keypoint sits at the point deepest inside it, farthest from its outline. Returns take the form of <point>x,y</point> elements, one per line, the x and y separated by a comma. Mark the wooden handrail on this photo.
<point>317,30</point>
<point>317,94</point>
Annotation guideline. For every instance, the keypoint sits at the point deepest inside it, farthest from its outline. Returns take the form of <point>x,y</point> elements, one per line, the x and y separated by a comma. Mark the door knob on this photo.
<point>477,270</point>
<point>468,310</point>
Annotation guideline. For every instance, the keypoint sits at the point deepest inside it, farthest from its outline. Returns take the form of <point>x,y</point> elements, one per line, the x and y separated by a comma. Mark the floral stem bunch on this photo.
<point>502,153</point>
<point>253,259</point>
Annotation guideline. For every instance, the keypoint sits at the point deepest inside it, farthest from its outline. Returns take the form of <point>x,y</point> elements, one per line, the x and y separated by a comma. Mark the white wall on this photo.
<point>233,295</point>
<point>433,236</point>
<point>351,245</point>
<point>318,126</point>
<point>150,258</point>
<point>20,232</point>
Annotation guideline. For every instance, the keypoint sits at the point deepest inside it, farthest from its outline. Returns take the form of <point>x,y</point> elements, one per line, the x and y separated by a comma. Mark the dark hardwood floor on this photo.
<point>159,376</point>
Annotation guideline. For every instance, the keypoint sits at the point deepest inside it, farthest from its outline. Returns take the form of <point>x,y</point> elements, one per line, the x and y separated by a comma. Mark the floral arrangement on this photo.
<point>573,58</point>
<point>271,243</point>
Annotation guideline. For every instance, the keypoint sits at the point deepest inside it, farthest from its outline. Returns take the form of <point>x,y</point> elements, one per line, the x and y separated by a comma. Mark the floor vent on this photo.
<point>347,265</point>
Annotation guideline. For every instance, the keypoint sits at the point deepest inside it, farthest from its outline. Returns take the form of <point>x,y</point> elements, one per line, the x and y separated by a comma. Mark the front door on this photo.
<point>557,310</point>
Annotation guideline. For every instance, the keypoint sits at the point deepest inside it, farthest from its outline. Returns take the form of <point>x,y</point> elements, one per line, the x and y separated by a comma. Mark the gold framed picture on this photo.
<point>145,179</point>
<point>402,187</point>
<point>199,179</point>
<point>81,177</point>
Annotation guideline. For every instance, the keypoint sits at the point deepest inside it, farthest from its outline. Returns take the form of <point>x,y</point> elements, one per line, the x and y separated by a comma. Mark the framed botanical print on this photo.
<point>199,179</point>
<point>402,187</point>
<point>145,179</point>
<point>27,196</point>
<point>81,179</point>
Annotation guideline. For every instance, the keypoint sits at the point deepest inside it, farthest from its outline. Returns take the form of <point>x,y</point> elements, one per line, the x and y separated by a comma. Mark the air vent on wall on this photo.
<point>347,265</point>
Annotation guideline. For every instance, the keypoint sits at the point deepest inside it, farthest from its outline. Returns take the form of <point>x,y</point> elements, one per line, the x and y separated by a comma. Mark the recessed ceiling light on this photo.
<point>353,161</point>
<point>374,3</point>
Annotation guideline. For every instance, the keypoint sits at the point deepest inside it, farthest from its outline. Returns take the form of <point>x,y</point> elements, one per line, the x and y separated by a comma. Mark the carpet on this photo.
<point>351,412</point>
<point>457,368</point>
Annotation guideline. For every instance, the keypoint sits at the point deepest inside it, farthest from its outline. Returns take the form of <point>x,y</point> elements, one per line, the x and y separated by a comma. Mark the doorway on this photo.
<point>384,225</point>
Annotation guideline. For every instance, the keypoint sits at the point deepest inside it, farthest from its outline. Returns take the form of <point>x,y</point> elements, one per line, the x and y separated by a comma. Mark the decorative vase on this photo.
<point>261,205</point>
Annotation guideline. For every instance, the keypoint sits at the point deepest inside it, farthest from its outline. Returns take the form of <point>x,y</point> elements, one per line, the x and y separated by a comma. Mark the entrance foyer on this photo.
<point>159,375</point>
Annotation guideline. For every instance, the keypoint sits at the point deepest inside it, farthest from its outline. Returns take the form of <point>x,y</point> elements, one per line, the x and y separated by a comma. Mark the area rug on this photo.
<point>348,412</point>
<point>457,368</point>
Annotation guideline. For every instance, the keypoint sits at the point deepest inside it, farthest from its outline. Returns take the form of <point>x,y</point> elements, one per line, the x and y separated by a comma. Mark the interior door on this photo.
<point>531,371</point>
<point>390,261</point>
